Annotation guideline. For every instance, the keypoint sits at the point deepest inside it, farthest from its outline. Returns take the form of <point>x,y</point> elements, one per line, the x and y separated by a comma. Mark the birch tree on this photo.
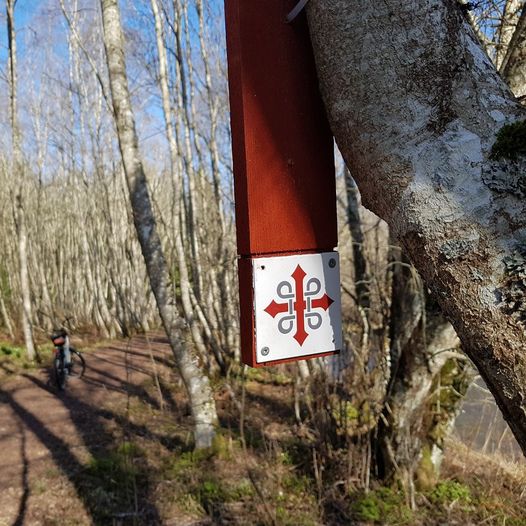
<point>196,382</point>
<point>416,107</point>
<point>501,28</point>
<point>18,185</point>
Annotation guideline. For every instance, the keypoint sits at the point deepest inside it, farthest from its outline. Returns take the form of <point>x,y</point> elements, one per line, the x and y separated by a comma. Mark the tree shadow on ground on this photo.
<point>264,410</point>
<point>113,485</point>
<point>146,363</point>
<point>22,507</point>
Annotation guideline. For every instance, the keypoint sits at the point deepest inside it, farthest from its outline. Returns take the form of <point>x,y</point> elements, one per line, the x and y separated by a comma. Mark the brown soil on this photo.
<point>115,449</point>
<point>48,438</point>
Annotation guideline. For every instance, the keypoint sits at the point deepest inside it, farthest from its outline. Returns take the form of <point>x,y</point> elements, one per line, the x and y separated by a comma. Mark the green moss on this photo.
<point>449,491</point>
<point>367,508</point>
<point>15,358</point>
<point>511,141</point>
<point>449,387</point>
<point>269,376</point>
<point>344,414</point>
<point>256,375</point>
<point>426,473</point>
<point>384,506</point>
<point>11,351</point>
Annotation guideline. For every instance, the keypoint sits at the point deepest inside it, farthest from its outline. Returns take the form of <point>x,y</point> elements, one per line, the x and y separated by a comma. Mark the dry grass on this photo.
<point>262,473</point>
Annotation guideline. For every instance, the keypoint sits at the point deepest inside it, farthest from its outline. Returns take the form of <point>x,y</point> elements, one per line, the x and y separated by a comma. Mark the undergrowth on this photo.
<point>263,471</point>
<point>13,359</point>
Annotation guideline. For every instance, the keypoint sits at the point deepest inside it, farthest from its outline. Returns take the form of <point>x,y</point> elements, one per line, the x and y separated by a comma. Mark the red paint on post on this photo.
<point>282,145</point>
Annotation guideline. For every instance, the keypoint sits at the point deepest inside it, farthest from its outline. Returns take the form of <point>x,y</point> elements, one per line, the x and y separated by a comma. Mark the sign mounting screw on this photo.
<point>265,351</point>
<point>332,263</point>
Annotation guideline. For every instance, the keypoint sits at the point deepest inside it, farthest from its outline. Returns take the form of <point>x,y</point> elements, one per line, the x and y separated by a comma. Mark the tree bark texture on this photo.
<point>513,67</point>
<point>415,105</point>
<point>17,175</point>
<point>196,382</point>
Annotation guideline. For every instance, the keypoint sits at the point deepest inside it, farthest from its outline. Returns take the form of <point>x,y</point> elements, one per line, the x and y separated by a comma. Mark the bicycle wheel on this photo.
<point>60,372</point>
<point>78,364</point>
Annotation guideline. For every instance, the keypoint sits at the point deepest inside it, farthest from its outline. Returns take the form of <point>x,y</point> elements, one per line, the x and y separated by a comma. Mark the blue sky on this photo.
<point>43,67</point>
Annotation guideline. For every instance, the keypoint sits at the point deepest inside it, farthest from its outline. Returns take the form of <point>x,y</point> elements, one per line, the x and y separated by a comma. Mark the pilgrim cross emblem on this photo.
<point>300,301</point>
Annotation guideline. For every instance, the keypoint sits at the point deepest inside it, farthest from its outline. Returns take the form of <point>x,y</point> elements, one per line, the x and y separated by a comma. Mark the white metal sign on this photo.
<point>297,306</point>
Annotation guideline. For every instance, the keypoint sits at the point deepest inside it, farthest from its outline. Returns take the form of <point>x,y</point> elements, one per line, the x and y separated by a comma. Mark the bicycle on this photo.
<point>62,368</point>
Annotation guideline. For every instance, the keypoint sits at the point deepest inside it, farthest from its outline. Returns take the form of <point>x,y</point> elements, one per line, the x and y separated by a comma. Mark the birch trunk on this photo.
<point>197,384</point>
<point>415,105</point>
<point>18,182</point>
<point>190,310</point>
<point>513,67</point>
<point>510,15</point>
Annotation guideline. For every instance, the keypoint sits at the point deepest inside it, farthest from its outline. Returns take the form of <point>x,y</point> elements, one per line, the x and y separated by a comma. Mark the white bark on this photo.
<point>197,384</point>
<point>513,67</point>
<point>415,104</point>
<point>510,15</point>
<point>18,181</point>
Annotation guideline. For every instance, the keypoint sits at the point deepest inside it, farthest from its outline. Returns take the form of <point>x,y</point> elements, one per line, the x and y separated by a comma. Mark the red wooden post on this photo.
<point>283,162</point>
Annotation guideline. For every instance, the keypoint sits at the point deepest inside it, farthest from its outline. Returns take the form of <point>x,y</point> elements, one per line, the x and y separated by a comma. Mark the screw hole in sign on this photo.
<point>297,307</point>
<point>285,185</point>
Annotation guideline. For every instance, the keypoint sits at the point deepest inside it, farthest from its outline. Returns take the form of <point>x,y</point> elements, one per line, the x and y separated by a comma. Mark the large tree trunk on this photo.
<point>196,382</point>
<point>415,105</point>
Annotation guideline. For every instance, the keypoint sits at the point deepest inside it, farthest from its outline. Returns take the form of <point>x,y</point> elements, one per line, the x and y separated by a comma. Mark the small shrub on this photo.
<point>384,506</point>
<point>243,489</point>
<point>449,491</point>
<point>296,484</point>
<point>129,450</point>
<point>179,465</point>
<point>212,491</point>
<point>11,351</point>
<point>367,508</point>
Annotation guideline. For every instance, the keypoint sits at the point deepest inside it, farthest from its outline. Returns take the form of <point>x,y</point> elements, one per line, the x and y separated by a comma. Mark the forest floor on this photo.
<point>115,448</point>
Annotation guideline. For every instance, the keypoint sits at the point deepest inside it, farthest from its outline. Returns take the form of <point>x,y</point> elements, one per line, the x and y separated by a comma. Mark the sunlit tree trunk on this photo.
<point>415,105</point>
<point>197,384</point>
<point>513,66</point>
<point>18,184</point>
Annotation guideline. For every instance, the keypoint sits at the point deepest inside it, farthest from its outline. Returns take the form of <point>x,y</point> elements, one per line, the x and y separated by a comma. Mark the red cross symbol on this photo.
<point>299,306</point>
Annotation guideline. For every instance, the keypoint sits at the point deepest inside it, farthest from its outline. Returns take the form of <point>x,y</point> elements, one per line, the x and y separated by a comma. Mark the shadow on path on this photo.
<point>19,521</point>
<point>112,485</point>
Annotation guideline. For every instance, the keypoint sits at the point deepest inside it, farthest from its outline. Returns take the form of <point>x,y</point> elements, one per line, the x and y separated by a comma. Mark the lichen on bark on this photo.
<point>513,297</point>
<point>432,180</point>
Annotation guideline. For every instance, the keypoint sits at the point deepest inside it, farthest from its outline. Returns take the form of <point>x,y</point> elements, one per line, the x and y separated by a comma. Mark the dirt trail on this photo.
<point>46,435</point>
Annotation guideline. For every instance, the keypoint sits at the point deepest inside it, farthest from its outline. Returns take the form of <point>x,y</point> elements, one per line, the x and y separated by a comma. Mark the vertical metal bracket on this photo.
<point>296,11</point>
